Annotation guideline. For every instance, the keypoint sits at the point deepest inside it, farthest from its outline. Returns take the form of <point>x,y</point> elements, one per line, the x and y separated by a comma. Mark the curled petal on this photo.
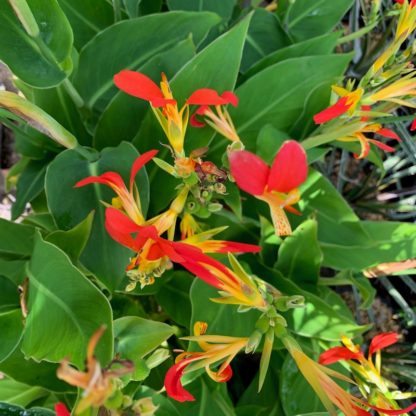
<point>382,145</point>
<point>141,86</point>
<point>220,376</point>
<point>111,179</point>
<point>383,341</point>
<point>389,133</point>
<point>230,97</point>
<point>61,410</point>
<point>249,171</point>
<point>334,111</point>
<point>206,96</point>
<point>140,162</point>
<point>413,125</point>
<point>336,354</point>
<point>195,122</point>
<point>173,384</point>
<point>289,169</point>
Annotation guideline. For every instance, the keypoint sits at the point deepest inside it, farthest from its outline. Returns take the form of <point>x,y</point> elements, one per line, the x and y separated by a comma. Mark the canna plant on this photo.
<point>147,275</point>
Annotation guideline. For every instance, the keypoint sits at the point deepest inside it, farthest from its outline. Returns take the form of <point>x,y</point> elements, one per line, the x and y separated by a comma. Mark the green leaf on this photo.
<point>7,409</point>
<point>121,118</point>
<point>73,242</point>
<point>29,186</point>
<point>16,240</point>
<point>87,18</point>
<point>387,241</point>
<point>174,298</point>
<point>69,206</point>
<point>137,337</point>
<point>223,8</point>
<point>132,43</point>
<point>221,319</point>
<point>11,327</point>
<point>300,256</point>
<point>305,19</point>
<point>65,310</point>
<point>265,35</point>
<point>276,95</point>
<point>47,53</point>
<point>19,394</point>
<point>37,118</point>
<point>321,45</point>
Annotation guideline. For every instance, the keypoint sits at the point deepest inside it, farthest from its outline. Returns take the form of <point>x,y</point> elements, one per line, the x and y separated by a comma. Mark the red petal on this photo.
<point>139,163</point>
<point>138,85</point>
<point>336,354</point>
<point>233,247</point>
<point>389,133</point>
<point>365,108</point>
<point>173,383</point>
<point>334,111</point>
<point>383,341</point>
<point>161,102</point>
<point>382,146</point>
<point>230,97</point>
<point>61,410</point>
<point>112,179</point>
<point>202,273</point>
<point>413,125</point>
<point>289,169</point>
<point>206,96</point>
<point>249,171</point>
<point>195,122</point>
<point>394,412</point>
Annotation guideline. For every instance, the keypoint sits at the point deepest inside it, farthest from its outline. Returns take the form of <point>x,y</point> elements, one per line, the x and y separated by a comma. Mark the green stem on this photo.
<point>117,10</point>
<point>357,34</point>
<point>73,93</point>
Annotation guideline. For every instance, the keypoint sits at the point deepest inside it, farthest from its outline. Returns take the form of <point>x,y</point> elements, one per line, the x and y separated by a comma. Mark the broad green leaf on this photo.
<point>174,298</point>
<point>19,394</point>
<point>121,118</point>
<point>337,221</point>
<point>223,8</point>
<point>14,270</point>
<point>276,95</point>
<point>132,43</point>
<point>11,327</point>
<point>25,54</point>
<point>73,242</point>
<point>221,319</point>
<point>300,256</point>
<point>16,239</point>
<point>27,371</point>
<point>7,409</point>
<point>9,295</point>
<point>265,35</point>
<point>137,337</point>
<point>388,242</point>
<point>37,118</point>
<point>29,186</point>
<point>87,18</point>
<point>69,206</point>
<point>65,310</point>
<point>321,45</point>
<point>305,19</point>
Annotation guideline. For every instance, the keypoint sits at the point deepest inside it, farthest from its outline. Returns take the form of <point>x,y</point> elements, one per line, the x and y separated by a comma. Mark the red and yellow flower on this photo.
<point>278,185</point>
<point>215,349</point>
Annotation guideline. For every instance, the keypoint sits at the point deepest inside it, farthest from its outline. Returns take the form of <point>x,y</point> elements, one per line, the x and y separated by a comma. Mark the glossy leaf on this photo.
<point>69,206</point>
<point>16,241</point>
<point>133,43</point>
<point>19,394</point>
<point>65,302</point>
<point>13,410</point>
<point>223,8</point>
<point>54,34</point>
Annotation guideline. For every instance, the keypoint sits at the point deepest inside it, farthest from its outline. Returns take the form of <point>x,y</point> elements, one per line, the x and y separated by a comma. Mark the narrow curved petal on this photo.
<point>289,169</point>
<point>336,354</point>
<point>334,111</point>
<point>383,341</point>
<point>61,410</point>
<point>382,145</point>
<point>194,122</point>
<point>173,384</point>
<point>206,96</point>
<point>389,134</point>
<point>365,146</point>
<point>230,97</point>
<point>222,246</point>
<point>112,179</point>
<point>249,171</point>
<point>137,84</point>
<point>140,162</point>
<point>220,376</point>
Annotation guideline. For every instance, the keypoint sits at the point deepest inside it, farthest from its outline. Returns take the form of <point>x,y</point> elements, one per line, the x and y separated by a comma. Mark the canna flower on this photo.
<point>61,410</point>
<point>127,200</point>
<point>156,254</point>
<point>346,104</point>
<point>215,349</point>
<point>367,372</point>
<point>96,382</point>
<point>276,185</point>
<point>219,119</point>
<point>329,392</point>
<point>364,141</point>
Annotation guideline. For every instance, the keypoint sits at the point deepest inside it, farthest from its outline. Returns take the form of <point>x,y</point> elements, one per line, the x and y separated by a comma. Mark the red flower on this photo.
<point>336,354</point>
<point>381,341</point>
<point>61,410</point>
<point>276,185</point>
<point>334,111</point>
<point>413,125</point>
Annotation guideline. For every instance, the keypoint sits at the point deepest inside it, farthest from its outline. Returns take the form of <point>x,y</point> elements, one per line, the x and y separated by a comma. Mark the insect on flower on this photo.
<point>278,185</point>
